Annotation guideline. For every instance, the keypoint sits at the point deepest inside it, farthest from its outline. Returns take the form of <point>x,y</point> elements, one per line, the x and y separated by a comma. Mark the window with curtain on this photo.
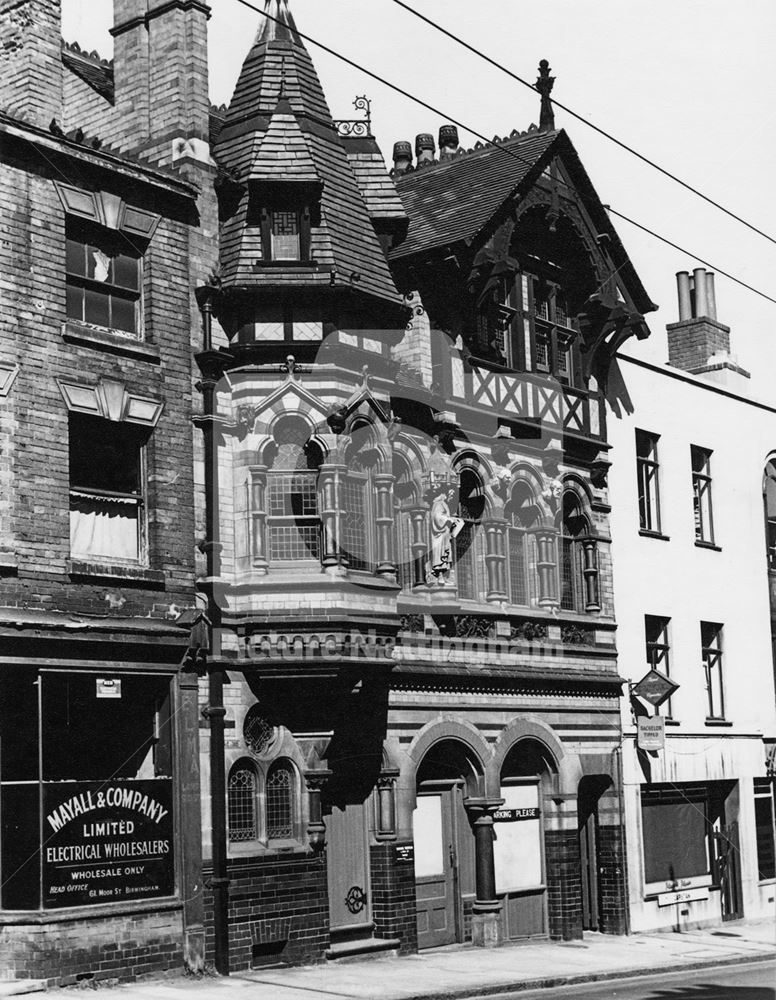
<point>107,511</point>
<point>103,276</point>
<point>293,521</point>
<point>469,562</point>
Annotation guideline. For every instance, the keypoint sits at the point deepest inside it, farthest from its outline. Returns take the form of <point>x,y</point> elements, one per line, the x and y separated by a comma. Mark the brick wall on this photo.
<point>393,897</point>
<point>612,880</point>
<point>278,905</point>
<point>692,342</point>
<point>101,947</point>
<point>564,885</point>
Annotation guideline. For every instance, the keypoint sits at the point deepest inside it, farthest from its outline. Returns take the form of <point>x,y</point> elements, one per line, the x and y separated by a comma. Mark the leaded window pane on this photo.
<point>242,805</point>
<point>280,803</point>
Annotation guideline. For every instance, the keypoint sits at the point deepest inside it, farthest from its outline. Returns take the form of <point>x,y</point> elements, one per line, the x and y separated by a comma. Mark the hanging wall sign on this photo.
<point>105,842</point>
<point>651,733</point>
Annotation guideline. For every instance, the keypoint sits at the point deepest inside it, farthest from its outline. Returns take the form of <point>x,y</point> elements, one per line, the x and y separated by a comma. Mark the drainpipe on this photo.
<point>211,364</point>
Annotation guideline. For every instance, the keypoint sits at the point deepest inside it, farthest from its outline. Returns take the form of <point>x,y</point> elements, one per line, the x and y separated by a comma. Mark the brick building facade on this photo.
<point>103,237</point>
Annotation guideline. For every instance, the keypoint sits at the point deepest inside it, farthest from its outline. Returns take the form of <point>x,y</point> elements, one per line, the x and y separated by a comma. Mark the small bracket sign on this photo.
<point>654,688</point>
<point>651,733</point>
<point>108,688</point>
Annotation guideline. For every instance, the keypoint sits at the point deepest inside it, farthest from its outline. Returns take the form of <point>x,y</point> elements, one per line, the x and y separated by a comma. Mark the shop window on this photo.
<point>293,522</point>
<point>701,495</point>
<point>107,507</point>
<point>711,652</point>
<point>104,274</point>
<point>676,834</point>
<point>469,563</point>
<point>242,792</point>
<point>765,826</point>
<point>85,781</point>
<point>648,469</point>
<point>658,651</point>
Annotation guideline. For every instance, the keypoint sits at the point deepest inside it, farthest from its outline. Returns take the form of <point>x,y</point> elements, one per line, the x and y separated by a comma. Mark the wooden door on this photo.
<point>519,860</point>
<point>729,862</point>
<point>348,870</point>
<point>436,867</point>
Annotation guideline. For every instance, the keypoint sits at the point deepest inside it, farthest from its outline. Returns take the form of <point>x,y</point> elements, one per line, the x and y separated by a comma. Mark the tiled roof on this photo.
<point>452,200</point>
<point>344,246</point>
<point>377,187</point>
<point>456,200</point>
<point>98,73</point>
<point>282,154</point>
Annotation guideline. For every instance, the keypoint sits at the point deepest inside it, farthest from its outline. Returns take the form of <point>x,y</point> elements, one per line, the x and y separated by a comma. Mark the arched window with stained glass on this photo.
<point>242,803</point>
<point>280,797</point>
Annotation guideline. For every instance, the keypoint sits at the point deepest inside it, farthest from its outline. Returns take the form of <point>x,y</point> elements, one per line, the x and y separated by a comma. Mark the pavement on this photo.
<point>463,971</point>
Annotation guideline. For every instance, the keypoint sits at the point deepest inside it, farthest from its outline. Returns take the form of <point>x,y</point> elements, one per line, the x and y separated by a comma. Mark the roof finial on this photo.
<point>544,85</point>
<point>278,23</point>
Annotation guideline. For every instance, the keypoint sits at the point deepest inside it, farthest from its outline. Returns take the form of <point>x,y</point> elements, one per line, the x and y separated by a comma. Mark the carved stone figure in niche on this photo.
<point>444,528</point>
<point>552,492</point>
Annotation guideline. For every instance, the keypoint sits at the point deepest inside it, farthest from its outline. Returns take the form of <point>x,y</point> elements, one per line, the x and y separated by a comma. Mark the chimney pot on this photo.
<point>425,148</point>
<point>683,288</point>
<point>448,140</point>
<point>699,284</point>
<point>402,157</point>
<point>711,297</point>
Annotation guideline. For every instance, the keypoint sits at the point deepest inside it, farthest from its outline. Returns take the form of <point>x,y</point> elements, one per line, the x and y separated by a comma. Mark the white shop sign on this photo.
<point>682,896</point>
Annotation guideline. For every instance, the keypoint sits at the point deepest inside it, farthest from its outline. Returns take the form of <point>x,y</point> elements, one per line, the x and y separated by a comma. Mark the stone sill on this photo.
<point>113,343</point>
<point>126,574</point>
<point>654,534</point>
<point>97,912</point>
<point>719,722</point>
<point>708,545</point>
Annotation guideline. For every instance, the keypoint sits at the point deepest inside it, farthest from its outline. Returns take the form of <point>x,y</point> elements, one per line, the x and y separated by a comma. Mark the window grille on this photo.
<point>242,804</point>
<point>285,236</point>
<point>258,731</point>
<point>280,802</point>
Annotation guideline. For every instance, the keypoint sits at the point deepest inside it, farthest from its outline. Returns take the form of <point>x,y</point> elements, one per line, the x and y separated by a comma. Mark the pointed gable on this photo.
<point>296,140</point>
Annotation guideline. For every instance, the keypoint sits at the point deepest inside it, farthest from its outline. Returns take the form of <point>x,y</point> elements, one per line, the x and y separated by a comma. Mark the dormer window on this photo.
<point>285,233</point>
<point>285,241</point>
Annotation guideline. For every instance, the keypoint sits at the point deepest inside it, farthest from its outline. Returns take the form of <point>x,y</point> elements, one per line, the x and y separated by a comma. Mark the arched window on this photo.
<point>571,560</point>
<point>522,514</point>
<point>242,803</point>
<point>469,565</point>
<point>280,796</point>
<point>293,522</point>
<point>403,494</point>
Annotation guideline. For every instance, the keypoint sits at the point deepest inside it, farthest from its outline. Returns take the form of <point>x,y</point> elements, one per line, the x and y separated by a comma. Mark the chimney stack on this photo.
<point>31,44</point>
<point>161,78</point>
<point>699,343</point>
<point>402,158</point>
<point>425,147</point>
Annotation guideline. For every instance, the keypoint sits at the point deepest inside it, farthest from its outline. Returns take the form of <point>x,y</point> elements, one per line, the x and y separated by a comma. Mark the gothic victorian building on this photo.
<point>414,696</point>
<point>100,847</point>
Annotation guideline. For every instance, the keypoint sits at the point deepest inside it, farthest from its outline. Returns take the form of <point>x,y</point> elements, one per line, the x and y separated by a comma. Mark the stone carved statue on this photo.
<point>444,528</point>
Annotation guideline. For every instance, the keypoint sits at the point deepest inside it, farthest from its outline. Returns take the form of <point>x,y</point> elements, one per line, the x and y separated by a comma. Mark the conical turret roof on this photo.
<point>278,128</point>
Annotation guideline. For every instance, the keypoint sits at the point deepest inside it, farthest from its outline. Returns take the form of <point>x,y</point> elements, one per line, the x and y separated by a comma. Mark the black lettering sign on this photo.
<point>105,842</point>
<point>513,815</point>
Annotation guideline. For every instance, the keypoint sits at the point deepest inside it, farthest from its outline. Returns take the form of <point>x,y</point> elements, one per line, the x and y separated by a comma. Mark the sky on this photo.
<point>688,83</point>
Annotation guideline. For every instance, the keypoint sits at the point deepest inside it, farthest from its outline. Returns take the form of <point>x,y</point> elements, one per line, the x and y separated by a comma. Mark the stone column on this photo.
<point>419,545</point>
<point>316,828</point>
<point>590,574</point>
<point>386,806</point>
<point>258,519</point>
<point>495,559</point>
<point>329,493</point>
<point>546,565</point>
<point>487,931</point>
<point>386,549</point>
